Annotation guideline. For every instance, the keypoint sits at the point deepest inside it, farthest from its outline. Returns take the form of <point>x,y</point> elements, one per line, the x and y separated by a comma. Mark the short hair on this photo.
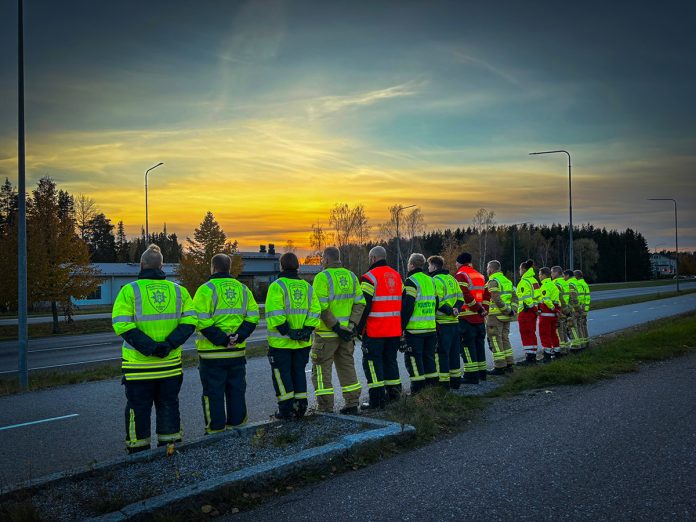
<point>545,270</point>
<point>529,263</point>
<point>495,265</point>
<point>332,254</point>
<point>289,261</point>
<point>221,263</point>
<point>152,257</point>
<point>464,258</point>
<point>417,260</point>
<point>438,261</point>
<point>578,273</point>
<point>568,273</point>
<point>378,252</point>
<point>556,269</point>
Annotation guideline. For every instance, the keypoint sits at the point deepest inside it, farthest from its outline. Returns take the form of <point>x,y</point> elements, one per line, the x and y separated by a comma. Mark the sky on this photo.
<point>269,112</point>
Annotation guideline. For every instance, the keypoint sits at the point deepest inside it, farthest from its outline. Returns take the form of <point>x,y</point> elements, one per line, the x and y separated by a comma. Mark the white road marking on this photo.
<point>636,311</point>
<point>615,315</point>
<point>12,426</point>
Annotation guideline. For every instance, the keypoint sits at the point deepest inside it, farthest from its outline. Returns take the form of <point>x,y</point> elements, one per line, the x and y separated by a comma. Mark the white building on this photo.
<point>662,265</point>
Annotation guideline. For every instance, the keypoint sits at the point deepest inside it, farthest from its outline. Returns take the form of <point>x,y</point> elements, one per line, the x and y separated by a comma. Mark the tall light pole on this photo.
<point>676,232</point>
<point>570,199</point>
<point>147,225</point>
<point>398,237</point>
<point>513,228</point>
<point>22,333</point>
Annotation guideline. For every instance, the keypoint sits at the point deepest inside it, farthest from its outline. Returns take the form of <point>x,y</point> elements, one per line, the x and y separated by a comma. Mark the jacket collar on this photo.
<point>529,274</point>
<point>334,264</point>
<point>151,273</point>
<point>414,271</point>
<point>381,262</point>
<point>220,275</point>
<point>289,274</point>
<point>438,272</point>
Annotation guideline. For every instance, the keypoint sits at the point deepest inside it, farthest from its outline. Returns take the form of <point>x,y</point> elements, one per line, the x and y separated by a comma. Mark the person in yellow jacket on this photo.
<point>528,295</point>
<point>549,310</point>
<point>576,342</point>
<point>566,322</point>
<point>342,304</point>
<point>292,314</point>
<point>154,317</point>
<point>584,298</point>
<point>503,305</point>
<point>227,315</point>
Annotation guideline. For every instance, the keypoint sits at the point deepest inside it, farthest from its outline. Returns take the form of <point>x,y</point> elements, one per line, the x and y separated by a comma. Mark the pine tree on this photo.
<point>99,236</point>
<point>122,244</point>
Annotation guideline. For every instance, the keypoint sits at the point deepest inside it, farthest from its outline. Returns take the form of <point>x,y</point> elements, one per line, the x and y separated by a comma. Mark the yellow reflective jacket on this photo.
<point>291,301</point>
<point>339,293</point>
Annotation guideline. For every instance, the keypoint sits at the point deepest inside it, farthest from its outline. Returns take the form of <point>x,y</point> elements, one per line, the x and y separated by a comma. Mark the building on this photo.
<point>260,269</point>
<point>663,265</point>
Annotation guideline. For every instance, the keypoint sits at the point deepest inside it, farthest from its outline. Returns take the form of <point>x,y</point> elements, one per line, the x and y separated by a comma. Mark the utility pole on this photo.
<point>398,237</point>
<point>22,333</point>
<point>676,233</point>
<point>147,225</point>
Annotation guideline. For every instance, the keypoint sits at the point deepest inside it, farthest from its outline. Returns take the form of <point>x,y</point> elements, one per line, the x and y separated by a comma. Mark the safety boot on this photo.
<point>349,410</point>
<point>530,359</point>
<point>470,378</point>
<point>497,371</point>
<point>138,449</point>
<point>510,368</point>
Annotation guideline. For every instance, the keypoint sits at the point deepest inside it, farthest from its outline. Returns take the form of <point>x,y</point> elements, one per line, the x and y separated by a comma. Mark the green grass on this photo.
<point>622,353</point>
<point>87,326</point>
<point>598,287</point>
<point>621,301</point>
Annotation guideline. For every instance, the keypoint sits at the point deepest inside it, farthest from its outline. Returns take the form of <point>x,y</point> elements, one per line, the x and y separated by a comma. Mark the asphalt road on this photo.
<point>619,450</point>
<point>94,430</point>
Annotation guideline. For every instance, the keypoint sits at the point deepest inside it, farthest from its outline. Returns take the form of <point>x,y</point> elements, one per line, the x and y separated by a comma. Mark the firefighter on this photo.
<point>576,343</point>
<point>472,329</point>
<point>227,315</point>
<point>501,311</point>
<point>565,315</point>
<point>584,298</point>
<point>380,328</point>
<point>527,310</point>
<point>342,304</point>
<point>154,317</point>
<point>549,308</point>
<point>418,323</point>
<point>292,314</point>
<point>450,300</point>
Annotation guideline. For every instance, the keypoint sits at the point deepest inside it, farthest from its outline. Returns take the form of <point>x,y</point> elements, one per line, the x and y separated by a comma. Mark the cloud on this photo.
<point>330,104</point>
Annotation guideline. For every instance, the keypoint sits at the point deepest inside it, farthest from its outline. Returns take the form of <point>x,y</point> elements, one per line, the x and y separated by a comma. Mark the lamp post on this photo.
<point>147,227</point>
<point>513,227</point>
<point>570,199</point>
<point>22,332</point>
<point>676,232</point>
<point>398,237</point>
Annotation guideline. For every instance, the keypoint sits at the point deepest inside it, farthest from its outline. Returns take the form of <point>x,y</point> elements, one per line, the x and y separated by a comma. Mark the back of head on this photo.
<point>556,271</point>
<point>464,258</point>
<point>529,263</point>
<point>417,261</point>
<point>378,253</point>
<point>151,258</point>
<point>494,266</point>
<point>545,271</point>
<point>578,274</point>
<point>331,254</point>
<point>568,273</point>
<point>289,262</point>
<point>437,261</point>
<point>221,263</point>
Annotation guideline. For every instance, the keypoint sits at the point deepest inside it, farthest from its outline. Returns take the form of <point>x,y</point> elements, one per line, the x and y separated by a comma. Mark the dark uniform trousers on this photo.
<point>381,368</point>
<point>140,397</point>
<point>290,379</point>
<point>420,359</point>
<point>449,347</point>
<point>473,338</point>
<point>224,393</point>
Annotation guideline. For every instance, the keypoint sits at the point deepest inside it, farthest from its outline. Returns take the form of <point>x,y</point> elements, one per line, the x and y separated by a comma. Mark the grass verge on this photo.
<point>621,301</point>
<point>86,326</point>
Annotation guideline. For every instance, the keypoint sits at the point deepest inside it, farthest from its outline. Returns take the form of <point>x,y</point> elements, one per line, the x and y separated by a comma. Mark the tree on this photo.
<point>317,242</point>
<point>289,246</point>
<point>450,250</point>
<point>208,239</point>
<point>586,255</point>
<point>411,227</point>
<point>351,232</point>
<point>85,211</point>
<point>99,237</point>
<point>483,221</point>
<point>122,244</point>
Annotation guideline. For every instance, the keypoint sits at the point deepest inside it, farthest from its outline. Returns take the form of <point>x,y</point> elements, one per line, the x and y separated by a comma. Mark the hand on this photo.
<point>447,309</point>
<point>306,333</point>
<point>162,350</point>
<point>483,312</point>
<point>403,346</point>
<point>343,333</point>
<point>232,341</point>
<point>455,312</point>
<point>295,334</point>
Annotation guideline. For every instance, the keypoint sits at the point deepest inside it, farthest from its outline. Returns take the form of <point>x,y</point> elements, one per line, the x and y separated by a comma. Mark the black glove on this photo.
<point>296,334</point>
<point>403,346</point>
<point>307,333</point>
<point>447,309</point>
<point>162,350</point>
<point>344,334</point>
<point>525,307</point>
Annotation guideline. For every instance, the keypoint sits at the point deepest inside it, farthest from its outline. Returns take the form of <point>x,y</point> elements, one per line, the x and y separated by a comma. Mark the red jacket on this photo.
<point>382,288</point>
<point>473,285</point>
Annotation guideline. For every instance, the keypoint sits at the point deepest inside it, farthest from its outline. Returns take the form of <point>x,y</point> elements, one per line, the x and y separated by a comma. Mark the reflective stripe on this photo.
<point>547,315</point>
<point>170,437</point>
<point>177,291</point>
<point>229,311</point>
<point>189,313</point>
<point>386,298</point>
<point>158,317</point>
<point>204,315</point>
<point>273,313</point>
<point>422,318</point>
<point>122,319</point>
<point>372,278</point>
<point>351,387</point>
<point>221,354</point>
<point>313,315</point>
<point>301,395</point>
<point>214,297</point>
<point>373,374</point>
<point>384,314</point>
<point>393,382</point>
<point>281,386</point>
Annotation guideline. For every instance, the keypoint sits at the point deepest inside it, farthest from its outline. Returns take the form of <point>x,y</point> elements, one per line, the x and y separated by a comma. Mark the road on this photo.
<point>95,432</point>
<point>622,449</point>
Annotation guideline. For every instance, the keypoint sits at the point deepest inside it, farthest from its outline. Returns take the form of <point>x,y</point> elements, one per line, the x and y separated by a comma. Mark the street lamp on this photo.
<point>147,227</point>
<point>22,332</point>
<point>676,232</point>
<point>570,198</point>
<point>513,228</point>
<point>398,237</point>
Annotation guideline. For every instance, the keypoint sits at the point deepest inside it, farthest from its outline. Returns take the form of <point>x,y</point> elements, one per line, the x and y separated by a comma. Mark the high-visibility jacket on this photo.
<point>384,285</point>
<point>448,292</point>
<point>338,290</point>
<point>563,293</point>
<point>549,297</point>
<point>498,283</point>
<point>584,294</point>
<point>291,301</point>
<point>473,283</point>
<point>528,291</point>
<point>574,287</point>
<point>155,307</point>
<point>422,319</point>
<point>225,303</point>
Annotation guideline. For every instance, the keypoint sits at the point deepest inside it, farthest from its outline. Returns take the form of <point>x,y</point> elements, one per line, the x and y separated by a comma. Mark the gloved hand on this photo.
<point>455,312</point>
<point>342,333</point>
<point>296,334</point>
<point>403,346</point>
<point>162,350</point>
<point>306,333</point>
<point>483,312</point>
<point>354,330</point>
<point>447,309</point>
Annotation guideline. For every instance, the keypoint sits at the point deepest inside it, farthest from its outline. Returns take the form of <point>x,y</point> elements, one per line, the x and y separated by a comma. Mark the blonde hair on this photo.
<point>151,258</point>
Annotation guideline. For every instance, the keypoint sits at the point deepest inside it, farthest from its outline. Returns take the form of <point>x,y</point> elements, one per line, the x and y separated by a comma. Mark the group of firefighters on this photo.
<point>436,319</point>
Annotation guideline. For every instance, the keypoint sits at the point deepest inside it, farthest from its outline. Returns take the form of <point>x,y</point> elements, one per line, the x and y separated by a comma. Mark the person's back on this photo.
<point>500,313</point>
<point>472,319</point>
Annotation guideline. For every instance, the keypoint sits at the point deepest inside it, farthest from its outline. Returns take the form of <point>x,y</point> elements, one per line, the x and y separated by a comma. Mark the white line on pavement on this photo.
<point>38,421</point>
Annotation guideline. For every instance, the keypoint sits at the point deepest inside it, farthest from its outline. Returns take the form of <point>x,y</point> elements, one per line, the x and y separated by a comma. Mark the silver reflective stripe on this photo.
<point>323,299</point>
<point>386,298</point>
<point>245,299</point>
<point>252,313</point>
<point>548,315</point>
<point>214,297</point>
<point>188,313</point>
<point>357,293</point>
<point>422,318</point>
<point>329,281</point>
<point>177,290</point>
<point>342,318</point>
<point>158,317</point>
<point>229,311</point>
<point>122,319</point>
<point>384,314</point>
<point>138,300</point>
<point>372,278</point>
<point>343,296</point>
<point>275,312</point>
<point>313,315</point>
<point>284,288</point>
<point>204,315</point>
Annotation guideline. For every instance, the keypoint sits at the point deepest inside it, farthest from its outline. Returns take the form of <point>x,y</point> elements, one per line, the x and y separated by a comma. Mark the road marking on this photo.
<point>12,426</point>
<point>636,311</point>
<point>615,315</point>
<point>115,342</point>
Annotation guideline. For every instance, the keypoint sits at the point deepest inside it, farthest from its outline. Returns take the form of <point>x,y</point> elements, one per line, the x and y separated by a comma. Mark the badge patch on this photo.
<point>159,295</point>
<point>343,282</point>
<point>229,294</point>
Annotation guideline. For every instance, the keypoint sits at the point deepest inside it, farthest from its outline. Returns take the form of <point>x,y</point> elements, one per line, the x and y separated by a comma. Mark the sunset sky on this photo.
<point>269,112</point>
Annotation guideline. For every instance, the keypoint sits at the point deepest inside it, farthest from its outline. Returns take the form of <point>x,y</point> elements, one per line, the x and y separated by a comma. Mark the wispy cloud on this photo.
<point>331,104</point>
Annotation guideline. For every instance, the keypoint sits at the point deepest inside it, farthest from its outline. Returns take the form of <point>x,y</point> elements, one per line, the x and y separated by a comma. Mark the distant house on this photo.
<point>663,265</point>
<point>307,272</point>
<point>260,269</point>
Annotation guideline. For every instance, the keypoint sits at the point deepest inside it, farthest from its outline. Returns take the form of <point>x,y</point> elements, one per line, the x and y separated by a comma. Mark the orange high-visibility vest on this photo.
<point>384,319</point>
<point>477,285</point>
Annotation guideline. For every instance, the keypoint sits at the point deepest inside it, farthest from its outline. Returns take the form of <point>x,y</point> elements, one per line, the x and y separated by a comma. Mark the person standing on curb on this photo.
<point>227,315</point>
<point>584,298</point>
<point>154,317</point>
<point>549,309</point>
<point>528,293</point>
<point>342,304</point>
<point>472,328</point>
<point>501,312</point>
<point>576,343</point>
<point>565,316</point>
<point>292,314</point>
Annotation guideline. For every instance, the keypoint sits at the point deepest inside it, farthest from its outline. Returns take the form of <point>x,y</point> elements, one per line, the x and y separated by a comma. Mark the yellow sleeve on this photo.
<point>275,306</point>
<point>321,289</point>
<point>252,311</point>
<point>314,314</point>
<point>188,312</point>
<point>123,312</point>
<point>203,304</point>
